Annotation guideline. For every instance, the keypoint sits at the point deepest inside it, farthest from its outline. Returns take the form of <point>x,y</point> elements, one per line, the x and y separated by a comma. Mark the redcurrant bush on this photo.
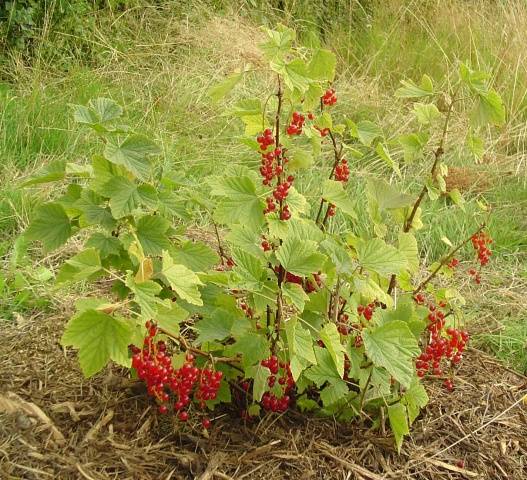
<point>297,305</point>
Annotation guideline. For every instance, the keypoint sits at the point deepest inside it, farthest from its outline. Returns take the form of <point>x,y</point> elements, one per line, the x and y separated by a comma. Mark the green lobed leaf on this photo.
<point>151,232</point>
<point>93,213</point>
<point>182,280</point>
<point>99,338</point>
<point>334,393</point>
<point>133,153</point>
<point>365,131</point>
<point>52,172</point>
<point>398,423</point>
<point>296,295</point>
<point>279,42</point>
<point>392,346</point>
<point>106,245</point>
<point>409,250</point>
<point>169,318</point>
<point>197,256</point>
<point>331,338</point>
<point>386,196</point>
<point>325,369</point>
<point>294,73</point>
<point>411,90</point>
<point>260,375</point>
<point>333,192</point>
<point>300,256</point>
<point>252,347</point>
<point>413,145</point>
<point>249,269</point>
<point>215,327</point>
<point>80,266</point>
<point>322,65</point>
<point>426,113</point>
<point>384,154</point>
<point>50,225</point>
<point>376,255</point>
<point>218,91</point>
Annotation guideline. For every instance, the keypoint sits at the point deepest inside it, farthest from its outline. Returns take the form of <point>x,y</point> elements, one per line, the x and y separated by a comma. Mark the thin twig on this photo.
<point>438,153</point>
<point>445,259</point>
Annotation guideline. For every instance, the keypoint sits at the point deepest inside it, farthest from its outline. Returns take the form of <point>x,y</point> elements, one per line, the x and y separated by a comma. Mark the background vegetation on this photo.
<point>160,57</point>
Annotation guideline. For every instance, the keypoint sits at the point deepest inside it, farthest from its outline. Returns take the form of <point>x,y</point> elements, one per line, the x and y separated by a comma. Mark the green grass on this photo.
<point>159,62</point>
<point>508,342</point>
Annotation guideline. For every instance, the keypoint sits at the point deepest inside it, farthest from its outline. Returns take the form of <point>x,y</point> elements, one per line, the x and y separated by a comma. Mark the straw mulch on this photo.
<point>54,424</point>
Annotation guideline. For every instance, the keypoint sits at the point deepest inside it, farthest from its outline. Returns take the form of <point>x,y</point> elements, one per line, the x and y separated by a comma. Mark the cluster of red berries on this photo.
<point>420,299</point>
<point>366,311</point>
<point>226,264</point>
<point>285,214</point>
<point>329,98</point>
<point>453,263</point>
<point>297,122</point>
<point>311,286</point>
<point>266,246</point>
<point>323,131</point>
<point>154,366</point>
<point>342,171</point>
<point>479,242</point>
<point>280,193</point>
<point>282,189</point>
<point>449,346</point>
<point>343,327</point>
<point>282,372</point>
<point>332,210</point>
<point>268,169</point>
<point>292,278</point>
<point>265,139</point>
<point>475,275</point>
<point>248,310</point>
<point>271,206</point>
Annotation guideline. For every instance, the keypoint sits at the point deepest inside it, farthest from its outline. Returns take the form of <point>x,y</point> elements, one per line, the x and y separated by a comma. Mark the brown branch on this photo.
<point>438,153</point>
<point>445,259</point>
<point>338,156</point>
<point>220,248</point>
<point>281,270</point>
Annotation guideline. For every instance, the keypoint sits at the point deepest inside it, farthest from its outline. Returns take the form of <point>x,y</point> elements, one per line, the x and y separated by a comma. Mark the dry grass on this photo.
<point>111,431</point>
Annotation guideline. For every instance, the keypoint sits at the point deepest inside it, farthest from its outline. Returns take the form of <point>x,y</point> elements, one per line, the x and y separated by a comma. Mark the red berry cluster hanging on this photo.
<point>248,310</point>
<point>311,286</point>
<point>266,246</point>
<point>329,98</point>
<point>154,366</point>
<point>343,327</point>
<point>419,299</point>
<point>269,167</point>
<point>282,189</point>
<point>282,372</point>
<point>342,171</point>
<point>479,242</point>
<point>285,214</point>
<point>366,311</point>
<point>297,122</point>
<point>453,263</point>
<point>266,139</point>
<point>292,278</point>
<point>323,131</point>
<point>449,345</point>
<point>332,210</point>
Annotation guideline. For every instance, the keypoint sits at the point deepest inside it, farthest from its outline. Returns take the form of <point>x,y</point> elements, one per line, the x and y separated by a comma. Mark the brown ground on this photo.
<point>105,429</point>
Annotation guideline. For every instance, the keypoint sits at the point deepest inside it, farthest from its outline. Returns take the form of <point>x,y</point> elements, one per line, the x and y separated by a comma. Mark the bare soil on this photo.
<point>55,424</point>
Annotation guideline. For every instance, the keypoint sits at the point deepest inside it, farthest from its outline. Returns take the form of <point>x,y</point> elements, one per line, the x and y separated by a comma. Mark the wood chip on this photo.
<point>12,403</point>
